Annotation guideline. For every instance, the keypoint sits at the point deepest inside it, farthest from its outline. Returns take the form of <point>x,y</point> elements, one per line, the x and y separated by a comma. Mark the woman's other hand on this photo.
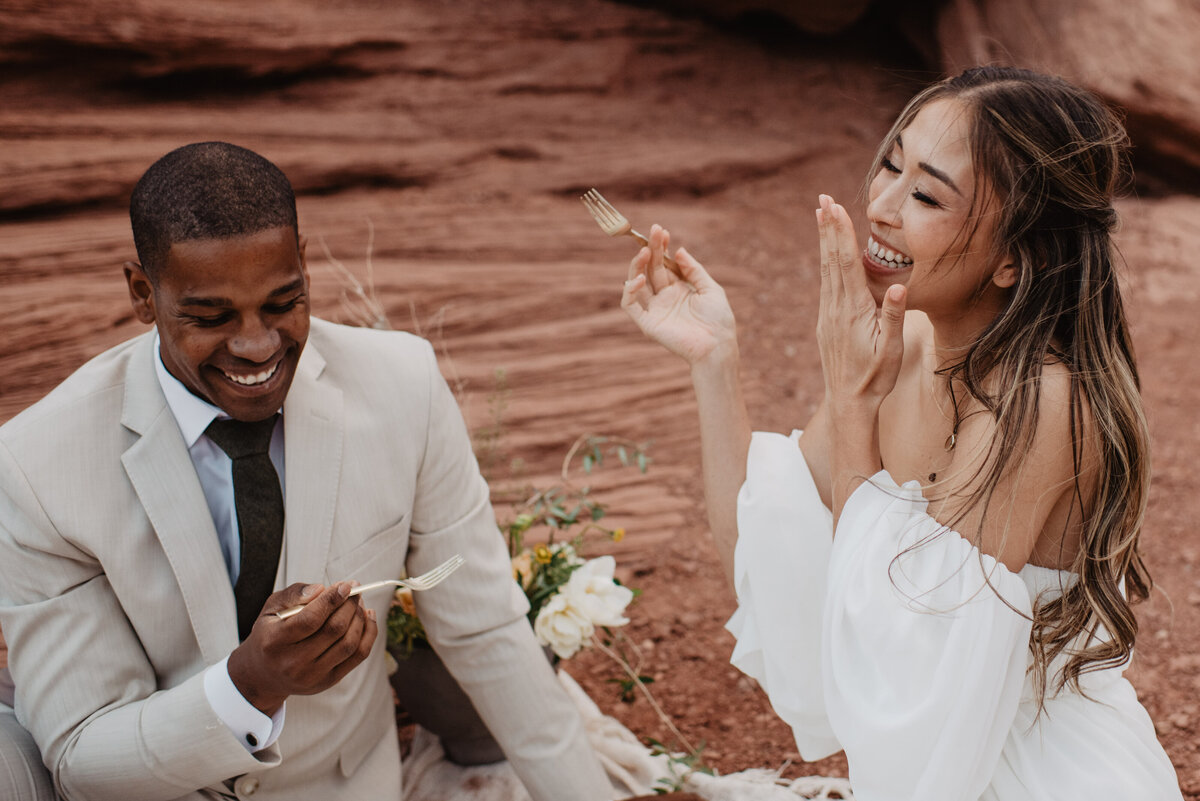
<point>690,318</point>
<point>861,346</point>
<point>861,351</point>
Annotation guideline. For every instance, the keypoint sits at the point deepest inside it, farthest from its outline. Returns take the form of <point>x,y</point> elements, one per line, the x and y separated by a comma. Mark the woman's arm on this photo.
<point>724,442</point>
<point>692,318</point>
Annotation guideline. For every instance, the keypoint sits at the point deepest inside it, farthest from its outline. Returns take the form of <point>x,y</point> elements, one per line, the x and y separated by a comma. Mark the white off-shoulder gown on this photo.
<point>898,642</point>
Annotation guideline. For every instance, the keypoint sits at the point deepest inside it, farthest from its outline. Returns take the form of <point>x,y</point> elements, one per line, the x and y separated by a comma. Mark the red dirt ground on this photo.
<point>464,133</point>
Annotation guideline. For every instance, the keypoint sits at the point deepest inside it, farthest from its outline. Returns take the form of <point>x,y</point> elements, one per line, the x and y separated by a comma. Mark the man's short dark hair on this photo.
<point>207,190</point>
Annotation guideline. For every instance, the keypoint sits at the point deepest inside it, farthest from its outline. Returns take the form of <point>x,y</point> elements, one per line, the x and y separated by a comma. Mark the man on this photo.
<point>150,505</point>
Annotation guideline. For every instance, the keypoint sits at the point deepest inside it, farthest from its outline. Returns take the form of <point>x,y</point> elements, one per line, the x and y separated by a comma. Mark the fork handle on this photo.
<point>668,262</point>
<point>295,610</point>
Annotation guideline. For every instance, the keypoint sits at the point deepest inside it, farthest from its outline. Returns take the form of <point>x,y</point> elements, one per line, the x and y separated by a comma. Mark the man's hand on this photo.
<point>307,653</point>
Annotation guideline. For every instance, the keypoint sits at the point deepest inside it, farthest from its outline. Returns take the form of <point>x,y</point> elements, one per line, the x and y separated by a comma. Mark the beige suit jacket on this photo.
<point>114,597</point>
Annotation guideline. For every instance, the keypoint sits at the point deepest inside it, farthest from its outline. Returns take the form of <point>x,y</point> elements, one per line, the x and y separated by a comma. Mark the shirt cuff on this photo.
<point>254,730</point>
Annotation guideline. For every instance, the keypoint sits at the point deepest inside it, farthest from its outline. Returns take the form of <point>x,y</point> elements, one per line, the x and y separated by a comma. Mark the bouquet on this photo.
<point>570,597</point>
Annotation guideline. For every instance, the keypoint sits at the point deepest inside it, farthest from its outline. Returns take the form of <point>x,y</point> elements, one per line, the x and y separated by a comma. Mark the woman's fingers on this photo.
<point>826,279</point>
<point>659,276</point>
<point>636,297</point>
<point>831,279</point>
<point>694,272</point>
<point>889,345</point>
<point>847,253</point>
<point>638,263</point>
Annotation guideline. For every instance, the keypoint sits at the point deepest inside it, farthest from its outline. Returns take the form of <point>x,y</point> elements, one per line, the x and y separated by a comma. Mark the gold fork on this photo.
<point>614,223</point>
<point>425,581</point>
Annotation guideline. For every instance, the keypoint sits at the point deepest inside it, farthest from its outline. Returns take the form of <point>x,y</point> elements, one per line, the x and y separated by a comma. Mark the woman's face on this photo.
<point>920,213</point>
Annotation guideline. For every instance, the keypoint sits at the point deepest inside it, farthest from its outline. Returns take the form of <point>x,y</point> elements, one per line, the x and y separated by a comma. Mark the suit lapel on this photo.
<point>313,436</point>
<point>162,474</point>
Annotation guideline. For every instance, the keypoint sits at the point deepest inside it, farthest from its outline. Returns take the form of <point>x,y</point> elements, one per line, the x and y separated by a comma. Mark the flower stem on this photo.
<point>633,676</point>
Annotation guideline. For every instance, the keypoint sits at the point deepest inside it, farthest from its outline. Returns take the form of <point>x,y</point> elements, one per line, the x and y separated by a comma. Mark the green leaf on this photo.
<point>623,455</point>
<point>588,461</point>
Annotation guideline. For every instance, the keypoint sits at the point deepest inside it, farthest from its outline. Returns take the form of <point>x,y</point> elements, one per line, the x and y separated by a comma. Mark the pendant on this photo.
<point>951,440</point>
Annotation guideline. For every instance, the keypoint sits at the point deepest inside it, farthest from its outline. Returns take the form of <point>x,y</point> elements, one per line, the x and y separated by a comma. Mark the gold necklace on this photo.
<point>952,440</point>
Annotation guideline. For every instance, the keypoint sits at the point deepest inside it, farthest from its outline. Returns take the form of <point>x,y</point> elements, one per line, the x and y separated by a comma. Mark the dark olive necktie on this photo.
<point>258,501</point>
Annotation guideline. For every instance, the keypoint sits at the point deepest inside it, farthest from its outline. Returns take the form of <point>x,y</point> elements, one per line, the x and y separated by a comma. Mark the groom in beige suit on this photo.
<point>145,665</point>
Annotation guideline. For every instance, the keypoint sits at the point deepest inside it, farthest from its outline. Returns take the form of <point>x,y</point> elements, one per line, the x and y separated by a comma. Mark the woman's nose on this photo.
<point>884,207</point>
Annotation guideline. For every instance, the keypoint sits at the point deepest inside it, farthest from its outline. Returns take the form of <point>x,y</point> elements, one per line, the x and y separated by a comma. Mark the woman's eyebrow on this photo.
<point>941,176</point>
<point>934,171</point>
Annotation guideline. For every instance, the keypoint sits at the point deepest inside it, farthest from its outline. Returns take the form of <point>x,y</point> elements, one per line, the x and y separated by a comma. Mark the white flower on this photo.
<point>568,552</point>
<point>561,626</point>
<point>592,592</point>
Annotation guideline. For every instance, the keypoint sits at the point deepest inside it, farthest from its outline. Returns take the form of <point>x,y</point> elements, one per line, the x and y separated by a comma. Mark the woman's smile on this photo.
<point>882,258</point>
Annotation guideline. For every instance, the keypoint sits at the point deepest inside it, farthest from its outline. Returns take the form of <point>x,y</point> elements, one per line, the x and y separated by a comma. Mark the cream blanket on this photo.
<point>631,768</point>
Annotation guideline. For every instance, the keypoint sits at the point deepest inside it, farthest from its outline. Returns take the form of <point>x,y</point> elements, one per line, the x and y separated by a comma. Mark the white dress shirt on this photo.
<point>215,469</point>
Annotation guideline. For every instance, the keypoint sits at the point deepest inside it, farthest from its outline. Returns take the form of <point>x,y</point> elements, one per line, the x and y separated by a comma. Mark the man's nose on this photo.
<point>255,341</point>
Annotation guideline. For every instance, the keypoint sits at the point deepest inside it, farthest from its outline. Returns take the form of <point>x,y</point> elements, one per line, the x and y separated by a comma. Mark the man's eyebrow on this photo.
<point>211,302</point>
<point>287,289</point>
<point>215,303</point>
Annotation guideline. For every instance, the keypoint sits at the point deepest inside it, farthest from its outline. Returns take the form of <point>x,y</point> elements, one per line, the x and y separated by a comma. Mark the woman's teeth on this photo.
<point>886,256</point>
<point>251,380</point>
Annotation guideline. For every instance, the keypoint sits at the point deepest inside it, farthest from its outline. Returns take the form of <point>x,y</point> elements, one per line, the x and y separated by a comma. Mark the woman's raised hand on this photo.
<point>690,318</point>
<point>861,346</point>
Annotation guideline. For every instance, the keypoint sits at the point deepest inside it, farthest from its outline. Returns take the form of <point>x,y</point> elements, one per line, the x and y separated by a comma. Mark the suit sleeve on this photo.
<point>476,619</point>
<point>84,687</point>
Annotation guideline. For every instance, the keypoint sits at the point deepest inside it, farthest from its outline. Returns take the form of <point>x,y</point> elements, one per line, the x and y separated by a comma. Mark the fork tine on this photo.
<point>601,209</point>
<point>590,205</point>
<point>435,576</point>
<point>597,213</point>
<point>609,208</point>
<point>425,581</point>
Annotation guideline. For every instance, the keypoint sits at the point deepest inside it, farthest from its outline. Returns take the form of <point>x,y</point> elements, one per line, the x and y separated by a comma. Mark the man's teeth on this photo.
<point>886,255</point>
<point>251,380</point>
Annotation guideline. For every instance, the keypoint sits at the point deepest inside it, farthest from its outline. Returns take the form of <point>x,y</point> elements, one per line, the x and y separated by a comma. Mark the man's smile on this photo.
<point>251,379</point>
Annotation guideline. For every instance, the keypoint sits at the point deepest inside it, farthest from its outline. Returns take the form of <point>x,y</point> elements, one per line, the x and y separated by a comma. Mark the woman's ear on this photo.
<point>1005,275</point>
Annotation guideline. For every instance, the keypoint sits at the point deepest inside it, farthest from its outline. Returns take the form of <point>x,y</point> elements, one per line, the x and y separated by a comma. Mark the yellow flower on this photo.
<point>542,554</point>
<point>618,535</point>
<point>522,566</point>
<point>405,599</point>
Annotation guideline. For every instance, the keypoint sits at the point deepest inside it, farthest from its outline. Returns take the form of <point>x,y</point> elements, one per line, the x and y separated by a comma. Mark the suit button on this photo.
<point>247,786</point>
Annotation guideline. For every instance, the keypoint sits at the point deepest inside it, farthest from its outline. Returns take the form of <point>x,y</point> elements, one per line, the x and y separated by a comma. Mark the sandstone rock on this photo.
<point>1139,56</point>
<point>807,15</point>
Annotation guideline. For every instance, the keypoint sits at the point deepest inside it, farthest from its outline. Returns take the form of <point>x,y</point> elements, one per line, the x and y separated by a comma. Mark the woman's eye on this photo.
<point>927,200</point>
<point>887,164</point>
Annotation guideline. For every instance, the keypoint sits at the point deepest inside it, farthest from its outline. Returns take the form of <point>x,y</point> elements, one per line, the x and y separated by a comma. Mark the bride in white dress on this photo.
<point>936,575</point>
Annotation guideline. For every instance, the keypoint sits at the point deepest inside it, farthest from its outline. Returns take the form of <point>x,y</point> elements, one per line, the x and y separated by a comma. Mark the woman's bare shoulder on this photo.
<point>1064,413</point>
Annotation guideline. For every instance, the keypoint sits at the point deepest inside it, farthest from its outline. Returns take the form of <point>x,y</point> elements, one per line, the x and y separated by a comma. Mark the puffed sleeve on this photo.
<point>780,570</point>
<point>896,640</point>
<point>925,646</point>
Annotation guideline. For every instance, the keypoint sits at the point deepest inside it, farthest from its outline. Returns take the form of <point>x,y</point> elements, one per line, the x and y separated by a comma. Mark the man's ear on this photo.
<point>141,291</point>
<point>1005,275</point>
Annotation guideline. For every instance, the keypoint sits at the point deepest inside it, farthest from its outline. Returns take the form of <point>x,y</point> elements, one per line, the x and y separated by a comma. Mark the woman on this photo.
<point>980,456</point>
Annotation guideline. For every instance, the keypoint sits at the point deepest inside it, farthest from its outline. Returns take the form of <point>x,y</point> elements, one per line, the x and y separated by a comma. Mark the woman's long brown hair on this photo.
<point>1053,156</point>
